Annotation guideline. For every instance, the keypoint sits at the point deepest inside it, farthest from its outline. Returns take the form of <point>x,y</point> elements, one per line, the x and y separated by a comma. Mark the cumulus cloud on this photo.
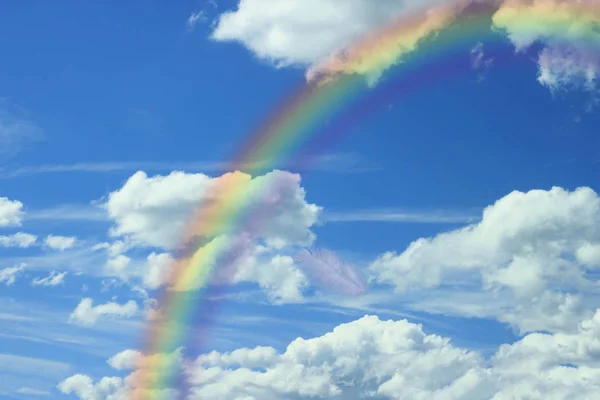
<point>525,252</point>
<point>60,243</point>
<point>117,266</point>
<point>11,212</point>
<point>303,32</point>
<point>277,275</point>
<point>9,275</point>
<point>87,314</point>
<point>155,211</point>
<point>20,239</point>
<point>373,358</point>
<point>54,279</point>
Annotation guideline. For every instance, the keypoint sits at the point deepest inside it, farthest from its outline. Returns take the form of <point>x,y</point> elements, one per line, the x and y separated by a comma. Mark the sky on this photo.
<point>468,206</point>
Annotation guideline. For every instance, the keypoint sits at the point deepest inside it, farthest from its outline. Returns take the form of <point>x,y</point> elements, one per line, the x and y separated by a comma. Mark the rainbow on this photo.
<point>332,94</point>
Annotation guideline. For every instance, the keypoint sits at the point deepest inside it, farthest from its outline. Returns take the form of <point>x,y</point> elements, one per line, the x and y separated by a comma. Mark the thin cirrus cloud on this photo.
<point>336,162</point>
<point>17,129</point>
<point>54,279</point>
<point>402,216</point>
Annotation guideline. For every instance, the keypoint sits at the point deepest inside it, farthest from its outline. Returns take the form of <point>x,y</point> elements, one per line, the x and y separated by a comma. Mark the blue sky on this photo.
<point>114,120</point>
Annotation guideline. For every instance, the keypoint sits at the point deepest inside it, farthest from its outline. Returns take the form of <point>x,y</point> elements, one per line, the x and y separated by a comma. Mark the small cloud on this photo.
<point>54,279</point>
<point>86,314</point>
<point>9,275</point>
<point>20,239</point>
<point>194,18</point>
<point>11,212</point>
<point>60,243</point>
<point>479,62</point>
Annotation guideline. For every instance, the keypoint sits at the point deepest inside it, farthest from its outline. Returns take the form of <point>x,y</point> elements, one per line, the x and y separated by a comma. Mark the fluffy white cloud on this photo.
<point>54,279</point>
<point>11,212</point>
<point>87,314</point>
<point>117,266</point>
<point>277,275</point>
<point>155,211</point>
<point>525,251</point>
<point>60,243</point>
<point>568,29</point>
<point>9,275</point>
<point>20,239</point>
<point>372,358</point>
<point>84,387</point>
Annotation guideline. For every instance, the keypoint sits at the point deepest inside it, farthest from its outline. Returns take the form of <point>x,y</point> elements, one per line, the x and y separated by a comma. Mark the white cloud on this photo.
<point>11,212</point>
<point>54,279</point>
<point>304,31</point>
<point>117,266</point>
<point>277,275</point>
<point>87,314</point>
<point>113,249</point>
<point>523,252</point>
<point>20,239</point>
<point>83,387</point>
<point>155,211</point>
<point>9,275</point>
<point>373,358</point>
<point>60,243</point>
<point>127,360</point>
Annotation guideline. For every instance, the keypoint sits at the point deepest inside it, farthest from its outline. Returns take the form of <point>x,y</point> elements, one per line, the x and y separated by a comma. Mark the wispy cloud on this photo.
<point>194,18</point>
<point>110,166</point>
<point>339,162</point>
<point>69,212</point>
<point>33,392</point>
<point>403,216</point>
<point>26,365</point>
<point>17,129</point>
